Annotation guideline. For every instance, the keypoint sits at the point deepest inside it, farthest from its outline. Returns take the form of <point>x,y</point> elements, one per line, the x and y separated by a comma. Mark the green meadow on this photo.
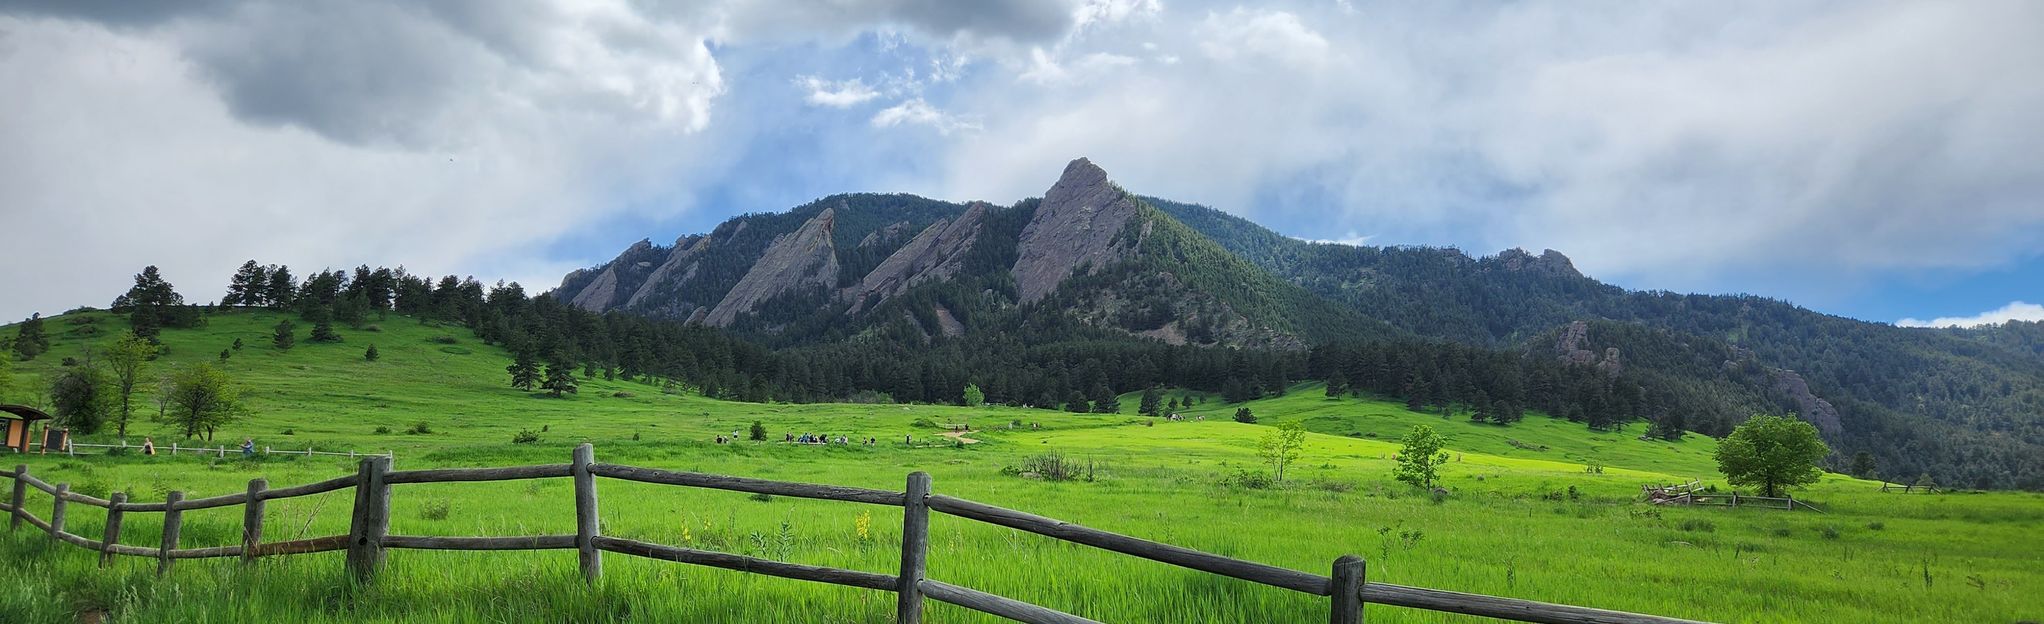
<point>1526,515</point>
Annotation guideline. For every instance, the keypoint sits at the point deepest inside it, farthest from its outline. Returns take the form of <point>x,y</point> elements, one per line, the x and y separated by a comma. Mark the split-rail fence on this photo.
<point>369,537</point>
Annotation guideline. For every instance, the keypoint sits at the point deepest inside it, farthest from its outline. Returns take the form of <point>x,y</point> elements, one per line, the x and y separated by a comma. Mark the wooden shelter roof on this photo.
<point>24,412</point>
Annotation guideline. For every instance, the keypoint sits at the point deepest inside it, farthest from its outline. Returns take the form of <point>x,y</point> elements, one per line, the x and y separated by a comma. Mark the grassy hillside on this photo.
<point>1524,523</point>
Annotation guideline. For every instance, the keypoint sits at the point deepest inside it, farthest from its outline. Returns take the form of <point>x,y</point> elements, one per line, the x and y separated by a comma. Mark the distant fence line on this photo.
<point>221,450</point>
<point>369,537</point>
<point>1692,493</point>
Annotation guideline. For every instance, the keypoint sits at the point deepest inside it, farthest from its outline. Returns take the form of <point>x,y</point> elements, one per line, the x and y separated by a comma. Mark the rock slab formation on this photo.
<point>1074,226</point>
<point>935,254</point>
<point>803,258</point>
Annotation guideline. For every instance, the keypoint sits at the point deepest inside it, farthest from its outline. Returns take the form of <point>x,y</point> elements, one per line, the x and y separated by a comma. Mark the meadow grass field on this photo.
<point>1519,521</point>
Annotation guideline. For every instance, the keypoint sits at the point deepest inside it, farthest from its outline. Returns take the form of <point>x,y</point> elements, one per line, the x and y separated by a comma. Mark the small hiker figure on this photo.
<point>248,448</point>
<point>148,446</point>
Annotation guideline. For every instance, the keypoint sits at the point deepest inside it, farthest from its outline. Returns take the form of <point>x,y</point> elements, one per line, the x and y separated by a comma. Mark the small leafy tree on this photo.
<point>1243,415</point>
<point>124,358</point>
<point>224,354</point>
<point>1280,448</point>
<point>758,431</point>
<point>79,396</point>
<point>237,344</point>
<point>973,396</point>
<point>1420,457</point>
<point>283,336</point>
<point>1773,453</point>
<point>371,354</point>
<point>199,399</point>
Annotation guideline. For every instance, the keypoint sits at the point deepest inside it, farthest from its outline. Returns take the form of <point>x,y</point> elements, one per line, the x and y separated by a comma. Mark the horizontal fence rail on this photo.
<point>369,536</point>
<point>218,450</point>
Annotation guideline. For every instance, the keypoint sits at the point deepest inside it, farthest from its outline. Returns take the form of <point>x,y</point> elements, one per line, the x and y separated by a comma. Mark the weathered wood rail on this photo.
<point>368,538</point>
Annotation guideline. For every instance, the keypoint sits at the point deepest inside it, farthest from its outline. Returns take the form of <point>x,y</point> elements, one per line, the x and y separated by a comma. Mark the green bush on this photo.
<point>526,436</point>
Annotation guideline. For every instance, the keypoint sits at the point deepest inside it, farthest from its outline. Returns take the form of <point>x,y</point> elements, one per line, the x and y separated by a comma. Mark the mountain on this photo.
<point>1092,258</point>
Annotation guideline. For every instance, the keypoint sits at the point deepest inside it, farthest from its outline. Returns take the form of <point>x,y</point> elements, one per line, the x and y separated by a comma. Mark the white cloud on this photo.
<point>1352,239</point>
<point>2014,311</point>
<point>1772,146</point>
<point>1276,35</point>
<point>838,94</point>
<point>917,112</point>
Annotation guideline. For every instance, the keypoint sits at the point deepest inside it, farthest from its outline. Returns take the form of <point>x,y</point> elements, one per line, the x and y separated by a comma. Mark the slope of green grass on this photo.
<point>1529,524</point>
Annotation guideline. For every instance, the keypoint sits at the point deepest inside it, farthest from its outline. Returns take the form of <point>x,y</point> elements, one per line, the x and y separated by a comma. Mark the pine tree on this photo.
<point>1863,465</point>
<point>224,354</point>
<point>1149,404</point>
<point>371,354</point>
<point>524,371</point>
<point>237,344</point>
<point>758,431</point>
<point>29,340</point>
<point>1105,401</point>
<point>248,287</point>
<point>560,377</point>
<point>282,290</point>
<point>151,304</point>
<point>1337,384</point>
<point>1172,407</point>
<point>1076,403</point>
<point>283,337</point>
<point>322,325</point>
<point>1244,416</point>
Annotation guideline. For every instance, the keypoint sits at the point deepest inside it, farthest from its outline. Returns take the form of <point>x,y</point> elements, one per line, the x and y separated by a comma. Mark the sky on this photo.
<point>1870,159</point>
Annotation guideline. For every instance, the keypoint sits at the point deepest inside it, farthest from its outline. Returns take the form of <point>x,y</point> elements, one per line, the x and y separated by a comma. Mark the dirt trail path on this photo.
<point>959,436</point>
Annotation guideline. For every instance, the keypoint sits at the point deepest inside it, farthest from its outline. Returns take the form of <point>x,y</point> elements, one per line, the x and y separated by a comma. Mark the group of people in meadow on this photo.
<point>816,438</point>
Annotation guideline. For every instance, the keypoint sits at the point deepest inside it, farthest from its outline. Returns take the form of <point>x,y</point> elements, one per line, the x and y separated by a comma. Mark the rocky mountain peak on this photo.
<point>800,259</point>
<point>1074,226</point>
<point>1549,262</point>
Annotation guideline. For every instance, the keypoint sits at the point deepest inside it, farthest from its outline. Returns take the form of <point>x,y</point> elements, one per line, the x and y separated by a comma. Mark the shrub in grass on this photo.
<point>1698,525</point>
<point>1782,532</point>
<point>1830,533</point>
<point>443,340</point>
<point>381,430</point>
<point>288,431</point>
<point>924,422</point>
<point>526,436</point>
<point>622,395</point>
<point>762,497</point>
<point>434,510</point>
<point>1248,480</point>
<point>420,428</point>
<point>1876,525</point>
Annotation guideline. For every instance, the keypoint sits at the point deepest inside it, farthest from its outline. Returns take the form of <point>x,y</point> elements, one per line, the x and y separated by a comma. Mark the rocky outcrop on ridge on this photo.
<point>796,260</point>
<point>935,254</point>
<point>1074,226</point>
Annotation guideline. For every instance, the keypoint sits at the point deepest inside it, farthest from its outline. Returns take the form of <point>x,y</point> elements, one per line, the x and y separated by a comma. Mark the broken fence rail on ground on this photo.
<point>369,537</point>
<point>219,450</point>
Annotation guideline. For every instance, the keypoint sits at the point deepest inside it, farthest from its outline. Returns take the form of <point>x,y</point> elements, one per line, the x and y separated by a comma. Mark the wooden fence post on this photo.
<point>173,521</point>
<point>915,549</point>
<point>586,527</point>
<point>371,520</point>
<point>57,510</point>
<point>252,519</point>
<point>113,527</point>
<point>20,492</point>
<point>1347,590</point>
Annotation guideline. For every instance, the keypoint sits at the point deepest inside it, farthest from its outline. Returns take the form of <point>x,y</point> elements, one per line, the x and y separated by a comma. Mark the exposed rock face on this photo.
<point>887,234</point>
<point>935,254</point>
<point>797,260</point>
<point>1812,408</point>
<point>1074,226</point>
<point>603,292</point>
<point>1549,262</point>
<point>685,250</point>
<point>1574,348</point>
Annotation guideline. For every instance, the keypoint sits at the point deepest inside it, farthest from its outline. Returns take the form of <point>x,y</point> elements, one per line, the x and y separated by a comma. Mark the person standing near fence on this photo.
<point>248,448</point>
<point>148,446</point>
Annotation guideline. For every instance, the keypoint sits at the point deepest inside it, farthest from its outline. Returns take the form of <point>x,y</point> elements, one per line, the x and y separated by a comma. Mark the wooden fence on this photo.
<point>218,450</point>
<point>369,537</point>
<point>1907,488</point>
